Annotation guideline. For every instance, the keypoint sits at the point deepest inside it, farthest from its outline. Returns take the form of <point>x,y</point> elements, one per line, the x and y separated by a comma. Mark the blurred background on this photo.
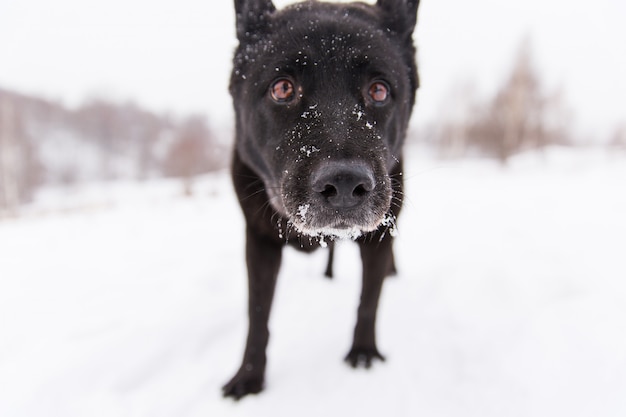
<point>122,281</point>
<point>93,91</point>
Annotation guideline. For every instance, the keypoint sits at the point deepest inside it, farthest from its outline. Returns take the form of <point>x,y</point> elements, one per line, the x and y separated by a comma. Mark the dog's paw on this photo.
<point>242,385</point>
<point>363,357</point>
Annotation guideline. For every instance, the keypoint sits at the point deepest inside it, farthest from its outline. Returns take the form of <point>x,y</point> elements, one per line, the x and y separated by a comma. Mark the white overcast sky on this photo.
<point>175,55</point>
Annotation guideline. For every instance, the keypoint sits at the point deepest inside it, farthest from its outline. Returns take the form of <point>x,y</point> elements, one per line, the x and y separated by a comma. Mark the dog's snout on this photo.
<point>343,185</point>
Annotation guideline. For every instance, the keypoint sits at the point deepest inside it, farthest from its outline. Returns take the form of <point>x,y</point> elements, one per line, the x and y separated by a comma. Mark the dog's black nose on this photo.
<point>343,185</point>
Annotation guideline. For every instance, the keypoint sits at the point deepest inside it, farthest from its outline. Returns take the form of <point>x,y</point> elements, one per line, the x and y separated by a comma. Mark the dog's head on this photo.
<point>323,93</point>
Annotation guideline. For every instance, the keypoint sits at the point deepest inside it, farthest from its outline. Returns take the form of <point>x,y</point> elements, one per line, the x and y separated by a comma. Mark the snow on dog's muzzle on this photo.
<point>339,198</point>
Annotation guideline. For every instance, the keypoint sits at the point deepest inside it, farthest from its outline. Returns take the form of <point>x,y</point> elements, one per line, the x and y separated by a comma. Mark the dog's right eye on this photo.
<point>379,92</point>
<point>282,90</point>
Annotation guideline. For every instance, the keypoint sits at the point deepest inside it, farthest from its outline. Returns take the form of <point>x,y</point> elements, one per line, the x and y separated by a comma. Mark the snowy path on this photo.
<point>511,301</point>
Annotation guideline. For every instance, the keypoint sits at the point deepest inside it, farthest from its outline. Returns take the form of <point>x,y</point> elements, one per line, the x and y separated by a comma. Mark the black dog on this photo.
<point>323,93</point>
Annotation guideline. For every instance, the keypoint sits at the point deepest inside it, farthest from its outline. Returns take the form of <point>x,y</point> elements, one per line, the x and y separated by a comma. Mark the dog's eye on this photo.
<point>282,90</point>
<point>379,92</point>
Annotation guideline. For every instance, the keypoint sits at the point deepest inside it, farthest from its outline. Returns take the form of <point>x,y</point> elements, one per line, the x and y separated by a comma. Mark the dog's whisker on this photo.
<point>253,194</point>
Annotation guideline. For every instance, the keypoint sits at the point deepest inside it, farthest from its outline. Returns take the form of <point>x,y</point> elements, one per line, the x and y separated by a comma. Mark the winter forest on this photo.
<point>43,143</point>
<point>122,272</point>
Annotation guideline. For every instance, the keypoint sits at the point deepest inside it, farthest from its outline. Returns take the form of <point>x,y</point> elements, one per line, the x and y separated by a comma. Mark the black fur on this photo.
<point>322,93</point>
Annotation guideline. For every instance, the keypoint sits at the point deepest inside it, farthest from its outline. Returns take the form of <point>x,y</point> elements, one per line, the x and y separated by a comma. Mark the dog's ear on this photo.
<point>400,15</point>
<point>252,16</point>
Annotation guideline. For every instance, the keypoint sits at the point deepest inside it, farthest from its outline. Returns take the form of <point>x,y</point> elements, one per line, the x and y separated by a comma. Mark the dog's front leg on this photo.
<point>263,258</point>
<point>377,258</point>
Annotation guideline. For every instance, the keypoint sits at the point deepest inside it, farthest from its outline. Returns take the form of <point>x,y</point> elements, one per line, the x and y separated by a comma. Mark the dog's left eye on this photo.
<point>378,92</point>
<point>282,90</point>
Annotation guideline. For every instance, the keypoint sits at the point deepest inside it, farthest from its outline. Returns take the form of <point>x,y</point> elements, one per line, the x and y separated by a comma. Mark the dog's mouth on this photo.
<point>341,229</point>
<point>336,231</point>
<point>336,228</point>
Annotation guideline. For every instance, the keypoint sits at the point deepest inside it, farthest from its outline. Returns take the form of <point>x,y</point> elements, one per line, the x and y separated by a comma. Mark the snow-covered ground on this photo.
<point>129,300</point>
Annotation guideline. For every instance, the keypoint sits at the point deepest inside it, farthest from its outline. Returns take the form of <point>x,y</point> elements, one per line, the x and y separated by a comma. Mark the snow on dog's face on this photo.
<point>324,93</point>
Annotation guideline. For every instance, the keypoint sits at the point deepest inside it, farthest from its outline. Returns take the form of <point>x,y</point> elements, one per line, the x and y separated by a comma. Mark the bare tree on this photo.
<point>9,197</point>
<point>190,154</point>
<point>19,168</point>
<point>514,118</point>
<point>618,139</point>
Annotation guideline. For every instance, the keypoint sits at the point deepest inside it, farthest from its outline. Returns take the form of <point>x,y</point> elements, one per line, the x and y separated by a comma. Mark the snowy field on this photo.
<point>129,300</point>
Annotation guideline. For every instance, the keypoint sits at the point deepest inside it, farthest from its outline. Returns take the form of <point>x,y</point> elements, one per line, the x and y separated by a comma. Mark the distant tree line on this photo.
<point>42,142</point>
<point>520,116</point>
